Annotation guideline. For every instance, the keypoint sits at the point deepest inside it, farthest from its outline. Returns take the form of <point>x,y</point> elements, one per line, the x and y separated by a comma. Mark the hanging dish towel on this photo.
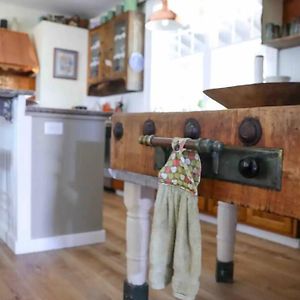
<point>175,246</point>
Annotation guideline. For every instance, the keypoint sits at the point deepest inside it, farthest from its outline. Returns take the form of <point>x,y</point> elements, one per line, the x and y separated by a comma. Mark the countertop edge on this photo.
<point>11,93</point>
<point>144,180</point>
<point>37,109</point>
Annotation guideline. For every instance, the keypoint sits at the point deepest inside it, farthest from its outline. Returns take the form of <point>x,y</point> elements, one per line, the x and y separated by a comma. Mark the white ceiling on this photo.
<point>84,8</point>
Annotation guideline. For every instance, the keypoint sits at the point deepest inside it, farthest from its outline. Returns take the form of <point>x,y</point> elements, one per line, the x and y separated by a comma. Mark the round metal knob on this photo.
<point>192,129</point>
<point>249,167</point>
<point>149,127</point>
<point>250,131</point>
<point>118,130</point>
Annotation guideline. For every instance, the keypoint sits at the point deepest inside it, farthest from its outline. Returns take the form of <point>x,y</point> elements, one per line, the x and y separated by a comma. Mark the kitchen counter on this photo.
<point>81,112</point>
<point>11,93</point>
<point>52,173</point>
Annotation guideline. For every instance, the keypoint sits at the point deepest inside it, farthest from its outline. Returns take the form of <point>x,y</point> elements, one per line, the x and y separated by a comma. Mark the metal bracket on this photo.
<point>264,171</point>
<point>261,167</point>
<point>161,156</point>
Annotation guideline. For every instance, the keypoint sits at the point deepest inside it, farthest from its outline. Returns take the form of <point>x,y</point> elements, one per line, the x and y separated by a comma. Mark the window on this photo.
<point>217,50</point>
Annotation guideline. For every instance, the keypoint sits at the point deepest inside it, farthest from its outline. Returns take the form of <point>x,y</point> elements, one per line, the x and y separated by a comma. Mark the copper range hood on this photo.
<point>18,62</point>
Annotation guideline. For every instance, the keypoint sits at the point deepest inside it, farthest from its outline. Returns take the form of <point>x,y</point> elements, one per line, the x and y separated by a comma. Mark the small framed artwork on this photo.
<point>65,64</point>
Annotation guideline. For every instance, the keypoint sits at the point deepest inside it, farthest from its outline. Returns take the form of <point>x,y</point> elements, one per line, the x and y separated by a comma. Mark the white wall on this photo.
<point>289,63</point>
<point>27,17</point>
<point>133,102</point>
<point>55,92</point>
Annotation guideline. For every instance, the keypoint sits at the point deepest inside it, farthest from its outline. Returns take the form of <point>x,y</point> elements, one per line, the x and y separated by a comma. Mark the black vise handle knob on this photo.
<point>249,167</point>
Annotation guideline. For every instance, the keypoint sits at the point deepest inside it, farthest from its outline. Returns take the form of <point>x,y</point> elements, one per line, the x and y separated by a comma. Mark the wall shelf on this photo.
<point>280,13</point>
<point>284,42</point>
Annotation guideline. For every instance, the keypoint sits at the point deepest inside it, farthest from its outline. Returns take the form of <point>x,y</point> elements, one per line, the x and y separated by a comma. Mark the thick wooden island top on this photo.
<point>280,129</point>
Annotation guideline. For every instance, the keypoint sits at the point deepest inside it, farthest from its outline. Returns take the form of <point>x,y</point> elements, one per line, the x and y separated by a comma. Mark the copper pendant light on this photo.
<point>163,19</point>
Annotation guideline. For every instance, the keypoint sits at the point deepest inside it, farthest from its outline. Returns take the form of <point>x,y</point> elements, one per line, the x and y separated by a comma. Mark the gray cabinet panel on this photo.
<point>67,175</point>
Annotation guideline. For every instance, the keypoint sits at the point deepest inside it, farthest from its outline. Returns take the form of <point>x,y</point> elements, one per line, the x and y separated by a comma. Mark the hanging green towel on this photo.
<point>175,246</point>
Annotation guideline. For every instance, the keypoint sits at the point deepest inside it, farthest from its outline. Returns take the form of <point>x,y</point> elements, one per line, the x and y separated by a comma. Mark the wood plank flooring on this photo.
<point>263,270</point>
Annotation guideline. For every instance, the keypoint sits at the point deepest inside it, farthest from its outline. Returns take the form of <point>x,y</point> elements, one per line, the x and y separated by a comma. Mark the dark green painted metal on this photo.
<point>135,292</point>
<point>224,272</point>
<point>269,163</point>
<point>161,157</point>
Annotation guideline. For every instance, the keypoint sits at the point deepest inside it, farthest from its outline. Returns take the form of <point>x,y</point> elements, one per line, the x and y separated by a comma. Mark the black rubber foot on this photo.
<point>224,272</point>
<point>135,292</point>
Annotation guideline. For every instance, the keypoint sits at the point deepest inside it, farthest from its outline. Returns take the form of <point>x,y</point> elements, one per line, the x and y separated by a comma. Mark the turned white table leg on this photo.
<point>227,220</point>
<point>138,201</point>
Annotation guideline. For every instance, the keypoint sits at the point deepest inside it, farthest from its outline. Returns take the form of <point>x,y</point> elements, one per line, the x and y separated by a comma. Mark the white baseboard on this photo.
<point>57,242</point>
<point>120,193</point>
<point>263,234</point>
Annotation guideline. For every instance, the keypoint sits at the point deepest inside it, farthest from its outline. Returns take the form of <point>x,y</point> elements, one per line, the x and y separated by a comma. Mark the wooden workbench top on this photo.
<point>280,127</point>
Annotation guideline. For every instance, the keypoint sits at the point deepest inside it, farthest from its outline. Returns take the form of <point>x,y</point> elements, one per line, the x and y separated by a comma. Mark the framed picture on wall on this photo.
<point>65,64</point>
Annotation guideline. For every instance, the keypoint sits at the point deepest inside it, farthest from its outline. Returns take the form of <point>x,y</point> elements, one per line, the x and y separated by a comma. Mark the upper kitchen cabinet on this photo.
<point>281,23</point>
<point>116,55</point>
<point>95,73</point>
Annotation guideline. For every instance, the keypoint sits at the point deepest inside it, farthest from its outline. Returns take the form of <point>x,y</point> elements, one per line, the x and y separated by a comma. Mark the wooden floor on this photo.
<point>263,270</point>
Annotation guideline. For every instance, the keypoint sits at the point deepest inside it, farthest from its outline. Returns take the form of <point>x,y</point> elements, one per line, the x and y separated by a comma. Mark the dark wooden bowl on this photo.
<point>255,95</point>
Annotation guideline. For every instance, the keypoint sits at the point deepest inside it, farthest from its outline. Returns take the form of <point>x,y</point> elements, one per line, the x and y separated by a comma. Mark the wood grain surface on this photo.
<point>263,270</point>
<point>291,10</point>
<point>256,95</point>
<point>281,129</point>
<point>16,82</point>
<point>110,81</point>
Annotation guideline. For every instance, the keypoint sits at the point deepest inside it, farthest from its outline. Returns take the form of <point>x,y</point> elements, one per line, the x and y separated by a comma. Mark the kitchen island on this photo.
<point>248,158</point>
<point>52,177</point>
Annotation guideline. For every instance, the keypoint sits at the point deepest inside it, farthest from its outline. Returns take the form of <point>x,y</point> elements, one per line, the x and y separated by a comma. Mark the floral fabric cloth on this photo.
<point>175,245</point>
<point>183,168</point>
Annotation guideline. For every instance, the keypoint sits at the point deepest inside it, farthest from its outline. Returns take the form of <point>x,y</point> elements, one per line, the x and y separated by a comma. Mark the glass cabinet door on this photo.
<point>95,55</point>
<point>119,55</point>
